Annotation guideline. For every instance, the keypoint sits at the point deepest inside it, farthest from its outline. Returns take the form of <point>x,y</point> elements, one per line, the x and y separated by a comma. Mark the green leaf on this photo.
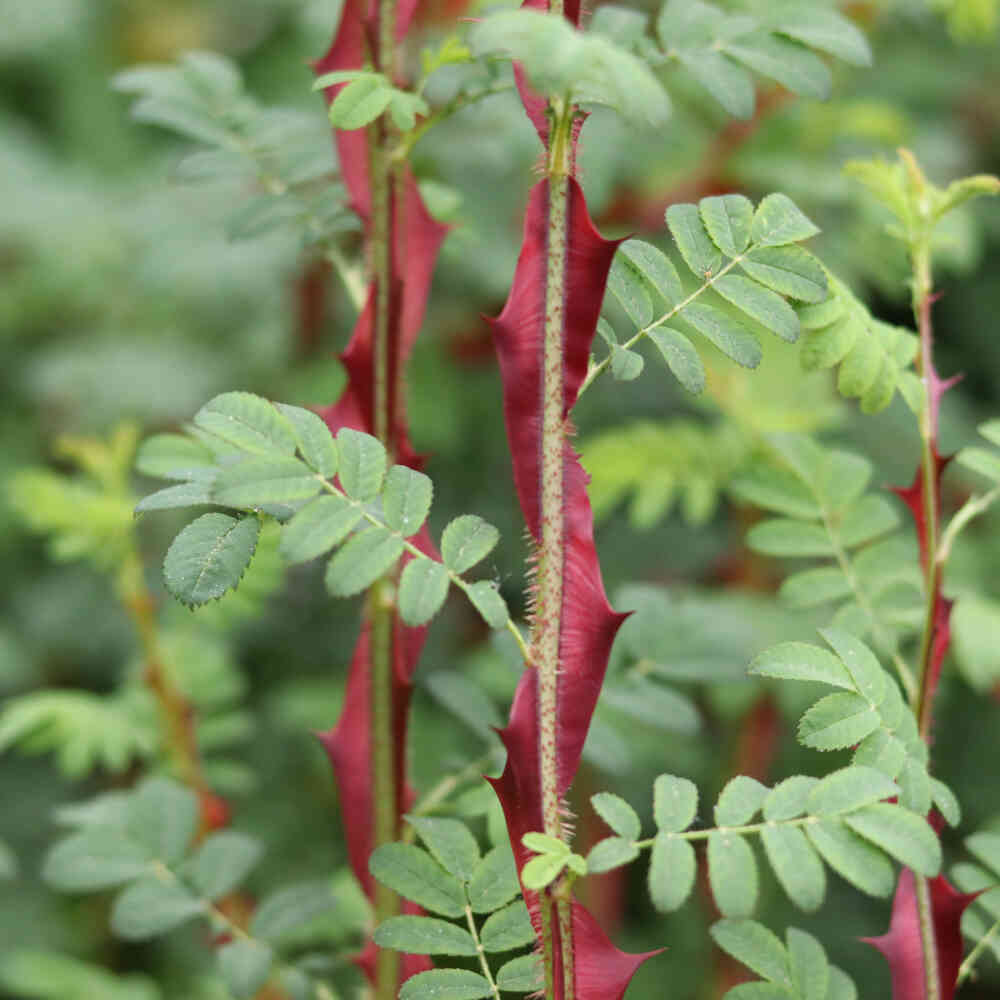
<point>870,680</point>
<point>729,83</point>
<point>174,456</point>
<point>209,557</point>
<point>222,862</point>
<point>424,936</point>
<point>288,909</point>
<point>779,221</point>
<point>542,870</point>
<point>163,816</point>
<point>848,789</point>
<point>837,721</point>
<point>445,984</point>
<point>618,814</point>
<point>626,366</point>
<point>728,336</point>
<point>796,865</point>
<point>362,464</point>
<point>249,423</point>
<point>788,798</point>
<point>194,494</point>
<point>681,358</point>
<point>468,701</point>
<point>148,908</point>
<point>466,540</point>
<point>863,865</point>
<point>881,751</point>
<point>757,990</point>
<point>792,65</point>
<point>841,986</point>
<point>732,874</point>
<point>790,539</point>
<point>739,800</point>
<point>808,964</point>
<point>508,928</point>
<point>761,304</point>
<point>986,463</point>
<point>315,442</point>
<point>406,499</point>
<point>413,873</point>
<point>675,803</point>
<point>97,858</point>
<point>488,602</point>
<point>728,218</point>
<point>262,481</point>
<point>672,868</point>
<point>423,587</point>
<point>494,882</point>
<point>318,527</point>
<point>825,29</point>
<point>653,266</point>
<point>521,975</point>
<point>404,108</point>
<point>901,833</point>
<point>946,802</point>
<point>688,231</point>
<point>451,843</point>
<point>990,430</point>
<point>754,946</point>
<point>360,102</point>
<point>789,270</point>
<point>865,520</point>
<point>364,558</point>
<point>778,489</point>
<point>812,587</point>
<point>626,284</point>
<point>612,852</point>
<point>245,966</point>
<point>801,661</point>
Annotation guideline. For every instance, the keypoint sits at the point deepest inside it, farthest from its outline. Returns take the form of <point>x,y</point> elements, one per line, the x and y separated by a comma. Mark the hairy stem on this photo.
<point>927,938</point>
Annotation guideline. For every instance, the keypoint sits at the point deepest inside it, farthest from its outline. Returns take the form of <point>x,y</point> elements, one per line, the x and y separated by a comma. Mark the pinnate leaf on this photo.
<point>732,874</point>
<point>362,464</point>
<point>672,868</point>
<point>779,221</point>
<point>149,907</point>
<point>363,559</point>
<point>315,442</point>
<point>521,975</point>
<point>494,882</point>
<point>445,984</point>
<point>675,803</point>
<point>222,862</point>
<point>406,499</point>
<point>618,814</point>
<point>450,842</point>
<point>94,859</point>
<point>800,661</point>
<point>739,800</point>
<point>699,252</point>
<point>788,798</point>
<point>489,603</point>
<point>612,852</point>
<point>163,816</point>
<point>789,270</point>
<point>727,335</point>
<point>728,219</point>
<point>288,909</point>
<point>756,947</point>
<point>245,965</point>
<point>760,303</point>
<point>901,833</point>
<point>858,861</point>
<point>360,102</point>
<point>838,721</point>
<point>795,863</point>
<point>249,423</point>
<point>318,527</point>
<point>262,481</point>
<point>681,358</point>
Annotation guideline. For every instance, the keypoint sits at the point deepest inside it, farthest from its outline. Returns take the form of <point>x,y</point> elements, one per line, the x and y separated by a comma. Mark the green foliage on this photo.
<point>453,879</point>
<point>842,819</point>
<point>719,49</point>
<point>590,69</point>
<point>712,238</point>
<point>280,152</point>
<point>797,969</point>
<point>366,96</point>
<point>867,712</point>
<point>50,976</point>
<point>981,921</point>
<point>242,454</point>
<point>145,843</point>
<point>826,513</point>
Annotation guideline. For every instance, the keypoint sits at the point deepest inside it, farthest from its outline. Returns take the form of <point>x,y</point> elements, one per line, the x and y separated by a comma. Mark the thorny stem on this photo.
<point>384,778</point>
<point>549,595</point>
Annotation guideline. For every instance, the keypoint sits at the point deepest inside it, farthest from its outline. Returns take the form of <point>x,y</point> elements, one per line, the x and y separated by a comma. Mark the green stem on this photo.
<point>928,941</point>
<point>739,830</point>
<point>965,970</point>
<point>481,952</point>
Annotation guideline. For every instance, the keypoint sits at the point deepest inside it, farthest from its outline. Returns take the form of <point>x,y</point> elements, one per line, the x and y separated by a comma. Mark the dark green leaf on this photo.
<point>451,843</point>
<point>413,873</point>
<point>209,557</point>
<point>424,936</point>
<point>507,928</point>
<point>521,975</point>
<point>688,231</point>
<point>494,882</point>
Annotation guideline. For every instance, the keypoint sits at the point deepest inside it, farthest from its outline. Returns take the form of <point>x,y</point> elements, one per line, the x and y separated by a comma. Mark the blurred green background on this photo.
<point>132,290</point>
